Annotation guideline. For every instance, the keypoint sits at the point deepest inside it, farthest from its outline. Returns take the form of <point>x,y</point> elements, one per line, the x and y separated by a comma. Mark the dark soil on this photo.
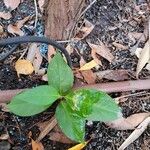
<point>113,21</point>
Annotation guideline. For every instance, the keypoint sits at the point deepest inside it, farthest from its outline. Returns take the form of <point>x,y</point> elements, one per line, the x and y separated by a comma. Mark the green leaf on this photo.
<point>22,108</point>
<point>70,123</point>
<point>93,105</point>
<point>60,74</point>
<point>41,95</point>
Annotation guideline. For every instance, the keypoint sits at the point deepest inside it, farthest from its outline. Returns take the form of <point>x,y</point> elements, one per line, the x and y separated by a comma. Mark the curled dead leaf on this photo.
<point>23,66</point>
<point>12,4</point>
<point>102,50</point>
<point>16,28</point>
<point>85,30</point>
<point>5,15</point>
<point>128,123</point>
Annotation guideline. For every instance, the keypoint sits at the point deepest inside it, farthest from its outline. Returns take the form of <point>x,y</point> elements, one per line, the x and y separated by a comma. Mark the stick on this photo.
<point>110,87</point>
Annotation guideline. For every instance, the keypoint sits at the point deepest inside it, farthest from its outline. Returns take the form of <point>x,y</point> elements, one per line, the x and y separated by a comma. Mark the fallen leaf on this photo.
<point>120,46</point>
<point>23,66</point>
<point>89,76</point>
<point>4,107</point>
<point>115,75</point>
<point>37,61</point>
<point>148,66</point>
<point>137,36</point>
<point>32,52</point>
<point>44,77</point>
<point>1,30</point>
<point>128,123</point>
<point>41,4</point>
<point>52,123</point>
<point>85,30</point>
<point>88,65</point>
<point>51,52</point>
<point>4,137</point>
<point>102,50</point>
<point>138,52</point>
<point>144,58</point>
<point>5,15</point>
<point>135,134</point>
<point>13,4</point>
<point>78,146</point>
<point>69,49</point>
<point>36,145</point>
<point>94,56</point>
<point>58,136</point>
<point>16,28</point>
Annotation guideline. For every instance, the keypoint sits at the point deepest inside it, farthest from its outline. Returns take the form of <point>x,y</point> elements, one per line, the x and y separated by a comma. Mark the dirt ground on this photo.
<point>114,20</point>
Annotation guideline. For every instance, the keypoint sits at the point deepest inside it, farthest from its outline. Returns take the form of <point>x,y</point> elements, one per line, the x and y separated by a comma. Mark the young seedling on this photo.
<point>75,106</point>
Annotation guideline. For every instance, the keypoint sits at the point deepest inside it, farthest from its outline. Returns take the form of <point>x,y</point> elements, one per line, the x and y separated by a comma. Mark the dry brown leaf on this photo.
<point>47,129</point>
<point>32,51</point>
<point>37,61</point>
<point>51,52</point>
<point>41,4</point>
<point>37,145</point>
<point>120,46</point>
<point>128,123</point>
<point>94,56</point>
<point>58,136</point>
<point>85,30</point>
<point>135,134</point>
<point>89,76</point>
<point>148,66</point>
<point>13,4</point>
<point>69,49</point>
<point>137,36</point>
<point>4,107</point>
<point>16,28</point>
<point>4,137</point>
<point>115,75</point>
<point>23,66</point>
<point>5,15</point>
<point>78,146</point>
<point>144,58</point>
<point>88,65</point>
<point>44,77</point>
<point>102,50</point>
<point>1,30</point>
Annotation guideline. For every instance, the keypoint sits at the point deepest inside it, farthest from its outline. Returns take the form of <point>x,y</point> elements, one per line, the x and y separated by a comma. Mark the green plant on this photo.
<point>75,106</point>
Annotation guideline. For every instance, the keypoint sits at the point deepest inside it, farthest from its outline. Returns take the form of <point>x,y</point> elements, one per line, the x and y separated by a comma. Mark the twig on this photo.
<point>135,134</point>
<point>47,129</point>
<point>36,13</point>
<point>110,87</point>
<point>87,8</point>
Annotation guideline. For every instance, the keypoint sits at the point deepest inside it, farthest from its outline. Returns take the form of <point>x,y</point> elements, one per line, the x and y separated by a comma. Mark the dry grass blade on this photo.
<point>47,129</point>
<point>135,134</point>
<point>144,58</point>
